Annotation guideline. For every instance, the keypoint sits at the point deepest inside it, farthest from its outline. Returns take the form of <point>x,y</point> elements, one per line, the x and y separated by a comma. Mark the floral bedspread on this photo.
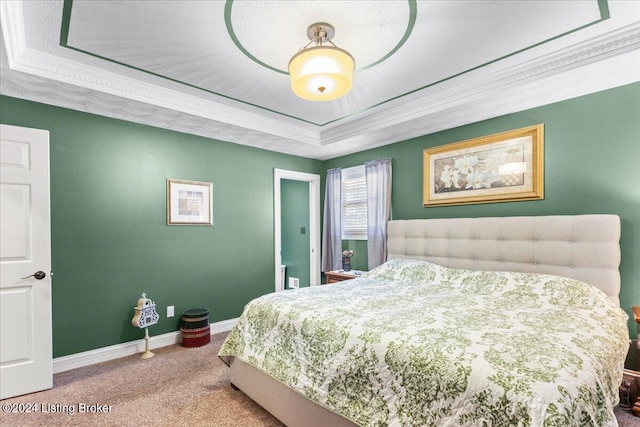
<point>416,344</point>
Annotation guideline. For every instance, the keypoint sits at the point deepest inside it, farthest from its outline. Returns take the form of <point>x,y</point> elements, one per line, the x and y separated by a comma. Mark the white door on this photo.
<point>25,262</point>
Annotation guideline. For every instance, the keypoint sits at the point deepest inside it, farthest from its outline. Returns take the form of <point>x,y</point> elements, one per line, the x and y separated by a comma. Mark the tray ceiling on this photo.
<point>218,68</point>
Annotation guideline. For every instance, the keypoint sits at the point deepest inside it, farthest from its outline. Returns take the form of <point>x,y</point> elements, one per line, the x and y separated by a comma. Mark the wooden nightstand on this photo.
<point>339,276</point>
<point>630,388</point>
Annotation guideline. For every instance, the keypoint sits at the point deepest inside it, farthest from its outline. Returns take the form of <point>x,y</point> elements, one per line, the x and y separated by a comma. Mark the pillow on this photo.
<point>406,271</point>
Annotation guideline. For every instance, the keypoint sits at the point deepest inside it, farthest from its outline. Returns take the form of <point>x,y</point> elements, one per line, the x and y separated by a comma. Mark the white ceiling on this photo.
<point>218,68</point>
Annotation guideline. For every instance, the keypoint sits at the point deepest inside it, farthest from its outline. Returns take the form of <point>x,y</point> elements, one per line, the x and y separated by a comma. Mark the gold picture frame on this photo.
<point>189,202</point>
<point>503,167</point>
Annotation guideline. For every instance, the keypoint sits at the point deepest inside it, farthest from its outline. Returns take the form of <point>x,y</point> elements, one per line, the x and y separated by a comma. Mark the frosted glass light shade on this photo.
<point>321,73</point>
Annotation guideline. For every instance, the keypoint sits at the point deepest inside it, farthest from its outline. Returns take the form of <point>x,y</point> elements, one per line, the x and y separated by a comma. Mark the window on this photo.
<point>354,204</point>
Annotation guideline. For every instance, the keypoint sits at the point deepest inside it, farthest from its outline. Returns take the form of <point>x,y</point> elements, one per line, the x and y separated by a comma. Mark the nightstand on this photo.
<point>630,388</point>
<point>341,275</point>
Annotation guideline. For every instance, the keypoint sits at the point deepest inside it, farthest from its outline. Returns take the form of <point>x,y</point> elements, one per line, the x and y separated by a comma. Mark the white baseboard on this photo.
<point>86,358</point>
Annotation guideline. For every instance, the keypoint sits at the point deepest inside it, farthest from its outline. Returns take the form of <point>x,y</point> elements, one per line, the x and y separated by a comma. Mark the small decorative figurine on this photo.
<point>145,316</point>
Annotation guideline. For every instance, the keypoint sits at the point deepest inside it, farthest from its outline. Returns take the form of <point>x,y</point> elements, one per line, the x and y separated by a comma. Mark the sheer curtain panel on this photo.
<point>332,224</point>
<point>378,175</point>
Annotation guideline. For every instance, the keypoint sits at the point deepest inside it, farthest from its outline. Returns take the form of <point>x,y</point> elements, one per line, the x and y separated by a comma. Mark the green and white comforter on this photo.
<point>417,344</point>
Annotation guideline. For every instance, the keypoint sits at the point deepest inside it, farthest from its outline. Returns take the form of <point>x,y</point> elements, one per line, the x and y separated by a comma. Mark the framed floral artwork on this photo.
<point>189,202</point>
<point>503,167</point>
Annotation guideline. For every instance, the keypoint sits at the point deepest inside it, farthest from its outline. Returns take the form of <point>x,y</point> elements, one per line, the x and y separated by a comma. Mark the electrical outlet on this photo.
<point>170,312</point>
<point>294,283</point>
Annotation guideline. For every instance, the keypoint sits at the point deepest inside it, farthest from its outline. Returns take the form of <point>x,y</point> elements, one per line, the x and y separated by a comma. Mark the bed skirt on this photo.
<point>283,403</point>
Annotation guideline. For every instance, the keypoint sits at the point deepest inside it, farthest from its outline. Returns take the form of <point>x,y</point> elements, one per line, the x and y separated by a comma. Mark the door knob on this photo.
<point>39,275</point>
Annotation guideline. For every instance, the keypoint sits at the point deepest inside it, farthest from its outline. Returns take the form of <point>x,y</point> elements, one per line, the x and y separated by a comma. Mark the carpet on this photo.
<point>177,387</point>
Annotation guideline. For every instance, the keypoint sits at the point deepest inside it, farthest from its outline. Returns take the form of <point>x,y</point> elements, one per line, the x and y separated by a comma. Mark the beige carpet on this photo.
<point>178,387</point>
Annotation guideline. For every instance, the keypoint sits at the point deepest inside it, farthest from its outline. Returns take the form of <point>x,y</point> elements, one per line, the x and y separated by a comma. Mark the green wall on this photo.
<point>592,165</point>
<point>294,243</point>
<point>359,258</point>
<point>110,241</point>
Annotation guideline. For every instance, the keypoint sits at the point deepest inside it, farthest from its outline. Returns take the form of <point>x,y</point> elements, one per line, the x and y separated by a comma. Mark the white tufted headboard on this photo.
<point>583,247</point>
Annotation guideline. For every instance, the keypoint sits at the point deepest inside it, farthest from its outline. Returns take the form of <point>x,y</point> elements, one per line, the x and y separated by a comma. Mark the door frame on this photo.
<point>314,222</point>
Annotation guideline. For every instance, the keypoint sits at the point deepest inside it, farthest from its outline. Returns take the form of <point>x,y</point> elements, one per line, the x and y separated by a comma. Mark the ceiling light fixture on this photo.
<point>321,73</point>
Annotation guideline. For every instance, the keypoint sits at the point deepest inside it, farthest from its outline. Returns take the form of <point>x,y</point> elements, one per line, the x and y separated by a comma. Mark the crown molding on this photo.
<point>65,71</point>
<point>408,116</point>
<point>12,21</point>
<point>44,65</point>
<point>463,90</point>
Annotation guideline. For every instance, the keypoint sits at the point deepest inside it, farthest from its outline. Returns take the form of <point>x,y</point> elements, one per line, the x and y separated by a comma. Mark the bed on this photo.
<point>471,321</point>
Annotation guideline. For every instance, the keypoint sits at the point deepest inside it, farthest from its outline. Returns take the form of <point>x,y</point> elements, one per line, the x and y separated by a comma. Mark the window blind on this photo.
<point>354,204</point>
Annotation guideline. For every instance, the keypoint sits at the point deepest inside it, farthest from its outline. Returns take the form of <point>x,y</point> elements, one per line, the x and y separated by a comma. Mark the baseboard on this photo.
<point>86,358</point>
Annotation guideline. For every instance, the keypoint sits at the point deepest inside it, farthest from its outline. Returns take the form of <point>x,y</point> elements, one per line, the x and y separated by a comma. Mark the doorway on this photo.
<point>294,233</point>
<point>310,236</point>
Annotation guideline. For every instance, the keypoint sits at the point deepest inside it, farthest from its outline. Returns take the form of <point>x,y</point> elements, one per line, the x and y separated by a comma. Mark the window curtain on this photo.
<point>332,223</point>
<point>378,175</point>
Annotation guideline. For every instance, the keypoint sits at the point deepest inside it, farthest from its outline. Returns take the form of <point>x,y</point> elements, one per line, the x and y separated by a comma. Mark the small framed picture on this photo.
<point>189,202</point>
